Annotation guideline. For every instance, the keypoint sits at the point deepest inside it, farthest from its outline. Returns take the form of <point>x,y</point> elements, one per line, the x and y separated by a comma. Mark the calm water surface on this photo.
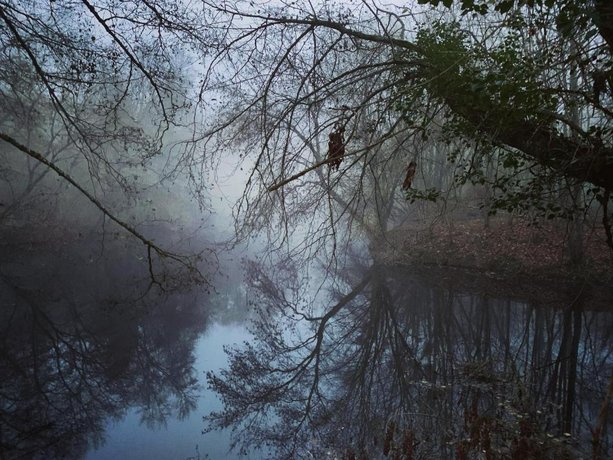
<point>178,439</point>
<point>97,364</point>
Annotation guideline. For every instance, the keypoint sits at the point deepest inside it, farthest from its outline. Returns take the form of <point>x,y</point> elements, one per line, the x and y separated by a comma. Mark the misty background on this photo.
<point>279,230</point>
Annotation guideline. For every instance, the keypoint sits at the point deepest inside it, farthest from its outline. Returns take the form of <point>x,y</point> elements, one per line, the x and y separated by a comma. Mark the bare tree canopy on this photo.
<point>289,87</point>
<point>527,84</point>
<point>96,92</point>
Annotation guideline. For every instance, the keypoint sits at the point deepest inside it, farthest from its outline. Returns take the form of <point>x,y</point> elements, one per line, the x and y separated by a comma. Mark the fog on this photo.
<point>324,230</point>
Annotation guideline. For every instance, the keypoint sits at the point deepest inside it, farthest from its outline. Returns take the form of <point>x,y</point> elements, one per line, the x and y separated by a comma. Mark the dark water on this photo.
<point>96,363</point>
<point>415,364</point>
<point>177,438</point>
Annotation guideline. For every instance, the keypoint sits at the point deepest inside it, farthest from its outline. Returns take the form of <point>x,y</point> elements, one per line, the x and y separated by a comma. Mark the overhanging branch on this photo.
<point>68,178</point>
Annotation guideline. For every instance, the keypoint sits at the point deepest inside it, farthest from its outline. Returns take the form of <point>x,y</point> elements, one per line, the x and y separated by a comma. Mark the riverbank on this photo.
<point>507,254</point>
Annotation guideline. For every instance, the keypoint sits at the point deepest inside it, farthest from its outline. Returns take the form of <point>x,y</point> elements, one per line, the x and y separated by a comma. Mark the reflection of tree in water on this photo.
<point>81,343</point>
<point>408,367</point>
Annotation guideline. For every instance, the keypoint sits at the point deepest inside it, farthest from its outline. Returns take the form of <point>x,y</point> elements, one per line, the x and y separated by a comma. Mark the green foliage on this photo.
<point>536,195</point>
<point>572,18</point>
<point>429,194</point>
<point>502,81</point>
<point>478,90</point>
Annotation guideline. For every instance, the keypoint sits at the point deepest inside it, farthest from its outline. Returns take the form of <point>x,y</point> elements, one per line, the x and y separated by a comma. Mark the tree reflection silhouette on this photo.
<point>84,340</point>
<point>404,365</point>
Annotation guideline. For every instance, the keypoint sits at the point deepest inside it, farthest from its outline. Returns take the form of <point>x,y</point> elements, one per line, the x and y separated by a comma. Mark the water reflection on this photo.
<point>85,336</point>
<point>179,439</point>
<point>419,365</point>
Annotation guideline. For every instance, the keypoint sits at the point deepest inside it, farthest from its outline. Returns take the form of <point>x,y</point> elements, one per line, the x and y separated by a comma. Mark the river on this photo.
<point>97,363</point>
